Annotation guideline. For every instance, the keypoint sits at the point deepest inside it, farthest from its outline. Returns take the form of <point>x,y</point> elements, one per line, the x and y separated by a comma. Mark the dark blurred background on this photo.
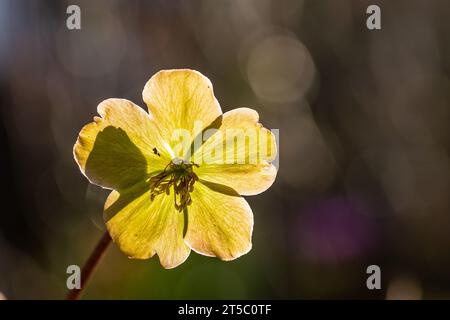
<point>364,174</point>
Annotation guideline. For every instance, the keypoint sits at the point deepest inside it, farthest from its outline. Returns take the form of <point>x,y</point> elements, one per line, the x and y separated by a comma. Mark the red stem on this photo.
<point>90,266</point>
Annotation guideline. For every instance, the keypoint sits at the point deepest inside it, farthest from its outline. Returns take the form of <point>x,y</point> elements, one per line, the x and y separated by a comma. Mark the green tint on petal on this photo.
<point>220,222</point>
<point>240,137</point>
<point>181,99</point>
<point>246,179</point>
<point>116,150</point>
<point>142,227</point>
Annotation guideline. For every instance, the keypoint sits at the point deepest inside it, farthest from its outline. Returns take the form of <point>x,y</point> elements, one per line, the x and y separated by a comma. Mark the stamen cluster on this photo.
<point>179,174</point>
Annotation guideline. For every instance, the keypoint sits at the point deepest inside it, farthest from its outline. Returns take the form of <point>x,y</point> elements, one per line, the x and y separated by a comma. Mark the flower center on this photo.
<point>179,174</point>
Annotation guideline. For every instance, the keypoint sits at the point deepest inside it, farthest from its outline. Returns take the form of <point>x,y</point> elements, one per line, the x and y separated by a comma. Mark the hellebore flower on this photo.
<point>177,172</point>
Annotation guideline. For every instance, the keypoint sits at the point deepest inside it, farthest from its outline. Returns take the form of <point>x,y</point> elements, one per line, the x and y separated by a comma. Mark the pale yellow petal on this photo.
<point>142,227</point>
<point>116,150</point>
<point>182,102</point>
<point>220,222</point>
<point>247,180</point>
<point>239,154</point>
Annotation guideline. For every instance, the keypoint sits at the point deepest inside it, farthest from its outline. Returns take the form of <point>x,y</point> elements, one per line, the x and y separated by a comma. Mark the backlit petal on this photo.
<point>116,150</point>
<point>239,153</point>
<point>142,227</point>
<point>220,222</point>
<point>183,104</point>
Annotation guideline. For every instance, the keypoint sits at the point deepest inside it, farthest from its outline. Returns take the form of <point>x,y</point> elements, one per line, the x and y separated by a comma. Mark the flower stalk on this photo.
<point>90,266</point>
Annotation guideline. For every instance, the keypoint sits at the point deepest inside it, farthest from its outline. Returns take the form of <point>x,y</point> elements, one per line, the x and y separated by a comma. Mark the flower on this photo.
<point>177,172</point>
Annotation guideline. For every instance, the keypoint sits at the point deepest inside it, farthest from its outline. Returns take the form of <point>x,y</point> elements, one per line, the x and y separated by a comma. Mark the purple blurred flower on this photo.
<point>334,230</point>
